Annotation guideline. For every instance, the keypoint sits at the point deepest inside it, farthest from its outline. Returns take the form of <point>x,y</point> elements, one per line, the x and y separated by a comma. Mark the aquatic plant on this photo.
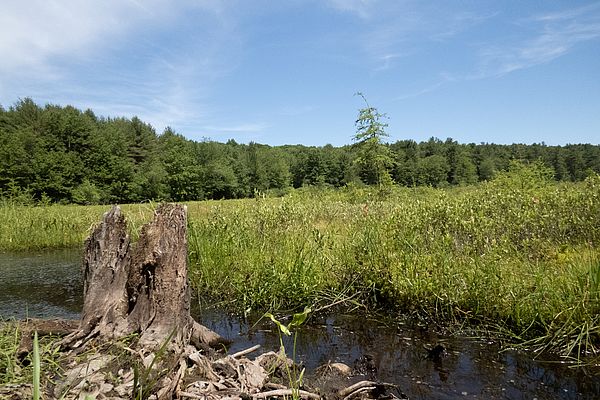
<point>506,253</point>
<point>294,377</point>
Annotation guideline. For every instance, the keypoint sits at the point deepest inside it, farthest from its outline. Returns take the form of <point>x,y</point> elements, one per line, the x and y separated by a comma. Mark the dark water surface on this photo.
<point>48,284</point>
<point>471,368</point>
<point>41,284</point>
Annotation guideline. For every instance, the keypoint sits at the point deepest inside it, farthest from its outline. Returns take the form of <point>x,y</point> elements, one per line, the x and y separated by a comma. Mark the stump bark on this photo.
<point>141,288</point>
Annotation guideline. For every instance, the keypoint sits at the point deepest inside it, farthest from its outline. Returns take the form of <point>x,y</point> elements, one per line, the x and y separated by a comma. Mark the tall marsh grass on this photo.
<point>41,365</point>
<point>519,253</point>
<point>510,252</point>
<point>57,226</point>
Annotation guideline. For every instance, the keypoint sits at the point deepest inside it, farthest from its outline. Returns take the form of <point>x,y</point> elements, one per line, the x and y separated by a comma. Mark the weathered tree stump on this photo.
<point>141,288</point>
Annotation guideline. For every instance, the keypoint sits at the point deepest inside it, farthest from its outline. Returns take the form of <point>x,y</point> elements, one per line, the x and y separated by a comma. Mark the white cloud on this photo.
<point>392,30</point>
<point>242,132</point>
<point>554,35</point>
<point>567,14</point>
<point>77,52</point>
<point>31,32</point>
<point>431,88</point>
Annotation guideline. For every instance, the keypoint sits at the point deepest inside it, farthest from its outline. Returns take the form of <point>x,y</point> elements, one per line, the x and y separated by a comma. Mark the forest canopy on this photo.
<point>62,154</point>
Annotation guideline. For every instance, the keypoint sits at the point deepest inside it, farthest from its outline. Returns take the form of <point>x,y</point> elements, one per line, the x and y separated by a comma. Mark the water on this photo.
<point>471,368</point>
<point>48,284</point>
<point>41,284</point>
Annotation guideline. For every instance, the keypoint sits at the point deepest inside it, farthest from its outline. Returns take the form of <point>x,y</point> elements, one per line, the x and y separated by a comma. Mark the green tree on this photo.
<point>433,170</point>
<point>374,159</point>
<point>184,174</point>
<point>487,169</point>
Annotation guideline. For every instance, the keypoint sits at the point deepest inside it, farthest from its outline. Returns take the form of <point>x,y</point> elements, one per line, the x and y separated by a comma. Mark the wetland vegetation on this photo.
<point>500,239</point>
<point>517,255</point>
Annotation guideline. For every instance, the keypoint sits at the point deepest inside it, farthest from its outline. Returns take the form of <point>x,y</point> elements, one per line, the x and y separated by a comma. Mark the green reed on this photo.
<point>516,253</point>
<point>498,253</point>
<point>57,226</point>
<point>40,366</point>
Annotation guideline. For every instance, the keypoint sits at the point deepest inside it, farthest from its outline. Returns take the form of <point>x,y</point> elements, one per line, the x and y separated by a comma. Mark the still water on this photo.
<point>48,284</point>
<point>41,284</point>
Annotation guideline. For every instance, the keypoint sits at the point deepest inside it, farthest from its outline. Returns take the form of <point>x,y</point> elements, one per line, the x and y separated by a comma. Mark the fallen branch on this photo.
<point>247,351</point>
<point>358,385</point>
<point>286,392</point>
<point>359,391</point>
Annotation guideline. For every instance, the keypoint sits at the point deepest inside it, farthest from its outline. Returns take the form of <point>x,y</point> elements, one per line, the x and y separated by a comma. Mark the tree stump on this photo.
<point>141,288</point>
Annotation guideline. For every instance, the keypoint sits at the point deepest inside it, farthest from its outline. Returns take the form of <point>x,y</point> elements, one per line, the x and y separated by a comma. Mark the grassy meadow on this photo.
<point>519,255</point>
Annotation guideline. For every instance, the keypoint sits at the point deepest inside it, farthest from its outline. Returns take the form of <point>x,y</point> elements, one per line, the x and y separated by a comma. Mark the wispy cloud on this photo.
<point>241,128</point>
<point>389,31</point>
<point>243,132</point>
<point>554,35</point>
<point>568,13</point>
<point>387,61</point>
<point>106,56</point>
<point>32,32</point>
<point>427,89</point>
<point>458,22</point>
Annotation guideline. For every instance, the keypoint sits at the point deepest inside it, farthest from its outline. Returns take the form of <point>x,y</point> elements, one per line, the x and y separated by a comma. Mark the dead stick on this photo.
<point>358,391</point>
<point>345,392</point>
<point>190,395</point>
<point>271,385</point>
<point>178,377</point>
<point>247,351</point>
<point>286,392</point>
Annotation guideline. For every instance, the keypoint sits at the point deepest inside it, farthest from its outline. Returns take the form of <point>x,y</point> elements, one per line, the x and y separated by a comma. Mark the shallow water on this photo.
<point>41,284</point>
<point>474,369</point>
<point>48,284</point>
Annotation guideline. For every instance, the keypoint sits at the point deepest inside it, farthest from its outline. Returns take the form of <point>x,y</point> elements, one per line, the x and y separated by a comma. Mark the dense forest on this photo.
<point>62,154</point>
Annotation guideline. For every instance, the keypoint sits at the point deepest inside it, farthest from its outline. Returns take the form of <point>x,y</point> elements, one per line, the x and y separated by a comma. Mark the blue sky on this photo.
<point>285,71</point>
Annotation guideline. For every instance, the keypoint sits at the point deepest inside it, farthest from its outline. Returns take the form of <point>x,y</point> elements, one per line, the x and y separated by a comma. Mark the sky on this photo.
<point>287,71</point>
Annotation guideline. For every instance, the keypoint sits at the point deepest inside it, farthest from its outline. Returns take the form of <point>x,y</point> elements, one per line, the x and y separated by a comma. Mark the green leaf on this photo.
<point>284,329</point>
<point>36,367</point>
<point>299,318</point>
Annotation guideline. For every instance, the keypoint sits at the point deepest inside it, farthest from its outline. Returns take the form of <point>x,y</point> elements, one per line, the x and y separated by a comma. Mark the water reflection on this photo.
<point>48,284</point>
<point>473,369</point>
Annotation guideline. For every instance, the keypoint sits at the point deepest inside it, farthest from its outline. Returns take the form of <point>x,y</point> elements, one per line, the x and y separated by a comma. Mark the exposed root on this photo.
<point>366,389</point>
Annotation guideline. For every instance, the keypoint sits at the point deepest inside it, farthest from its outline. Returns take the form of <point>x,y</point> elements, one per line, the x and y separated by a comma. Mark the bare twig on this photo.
<point>273,385</point>
<point>247,351</point>
<point>190,395</point>
<point>359,391</point>
<point>286,392</point>
<point>358,385</point>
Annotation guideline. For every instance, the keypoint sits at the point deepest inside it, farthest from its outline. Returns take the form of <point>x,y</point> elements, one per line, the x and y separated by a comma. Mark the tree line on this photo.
<point>63,154</point>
